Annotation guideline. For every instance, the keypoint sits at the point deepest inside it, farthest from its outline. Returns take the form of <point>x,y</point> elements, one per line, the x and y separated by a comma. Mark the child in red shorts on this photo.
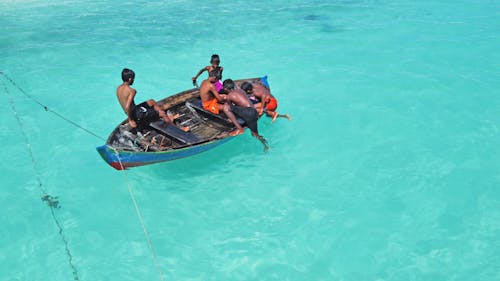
<point>264,102</point>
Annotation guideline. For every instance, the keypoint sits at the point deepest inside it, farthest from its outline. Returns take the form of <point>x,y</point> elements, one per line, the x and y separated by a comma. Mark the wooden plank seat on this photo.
<point>174,132</point>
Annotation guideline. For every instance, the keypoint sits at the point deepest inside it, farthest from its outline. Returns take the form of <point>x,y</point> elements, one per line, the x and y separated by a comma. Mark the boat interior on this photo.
<point>204,126</point>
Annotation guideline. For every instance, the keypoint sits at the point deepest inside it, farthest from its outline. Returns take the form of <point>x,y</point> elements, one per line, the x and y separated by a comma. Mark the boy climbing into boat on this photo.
<point>215,68</point>
<point>264,101</point>
<point>242,107</point>
<point>144,113</point>
<point>214,102</point>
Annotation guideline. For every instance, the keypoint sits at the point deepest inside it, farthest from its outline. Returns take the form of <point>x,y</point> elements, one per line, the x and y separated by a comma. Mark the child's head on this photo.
<point>247,87</point>
<point>213,73</point>
<point>215,60</point>
<point>128,75</point>
<point>212,76</point>
<point>228,84</point>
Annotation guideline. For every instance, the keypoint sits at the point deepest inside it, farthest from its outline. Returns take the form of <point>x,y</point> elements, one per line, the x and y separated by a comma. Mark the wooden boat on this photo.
<point>160,141</point>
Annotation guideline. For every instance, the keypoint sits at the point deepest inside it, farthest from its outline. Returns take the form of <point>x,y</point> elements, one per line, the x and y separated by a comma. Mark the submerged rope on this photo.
<point>52,202</point>
<point>46,108</point>
<point>138,212</point>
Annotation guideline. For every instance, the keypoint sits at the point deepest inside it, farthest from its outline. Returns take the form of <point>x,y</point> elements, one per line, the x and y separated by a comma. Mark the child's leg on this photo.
<point>274,115</point>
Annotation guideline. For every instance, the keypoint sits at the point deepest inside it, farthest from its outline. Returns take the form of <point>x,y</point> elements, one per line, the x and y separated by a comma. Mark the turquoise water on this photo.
<point>389,169</point>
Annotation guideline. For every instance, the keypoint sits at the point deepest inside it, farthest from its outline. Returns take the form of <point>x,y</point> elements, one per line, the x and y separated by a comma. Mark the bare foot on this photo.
<point>287,116</point>
<point>237,132</point>
<point>173,117</point>
<point>275,115</point>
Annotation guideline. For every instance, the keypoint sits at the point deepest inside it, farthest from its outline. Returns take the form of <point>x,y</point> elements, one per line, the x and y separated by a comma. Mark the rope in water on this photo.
<point>138,212</point>
<point>46,108</point>
<point>52,202</point>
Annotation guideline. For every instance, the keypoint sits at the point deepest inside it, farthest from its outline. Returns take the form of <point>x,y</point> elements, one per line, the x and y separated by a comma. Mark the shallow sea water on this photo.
<point>389,169</point>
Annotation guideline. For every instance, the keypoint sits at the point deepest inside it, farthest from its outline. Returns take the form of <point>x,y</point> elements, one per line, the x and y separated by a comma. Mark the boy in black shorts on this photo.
<point>145,112</point>
<point>242,107</point>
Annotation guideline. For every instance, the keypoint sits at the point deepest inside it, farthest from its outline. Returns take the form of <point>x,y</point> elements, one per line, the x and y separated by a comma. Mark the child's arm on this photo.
<point>220,97</point>
<point>199,73</point>
<point>264,102</point>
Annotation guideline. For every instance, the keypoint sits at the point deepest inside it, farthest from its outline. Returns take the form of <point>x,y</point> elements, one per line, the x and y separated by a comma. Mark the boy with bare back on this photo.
<point>242,107</point>
<point>214,102</point>
<point>266,103</point>
<point>145,112</point>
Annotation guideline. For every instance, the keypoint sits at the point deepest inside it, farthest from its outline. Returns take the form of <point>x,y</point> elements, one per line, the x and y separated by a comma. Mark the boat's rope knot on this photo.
<point>52,201</point>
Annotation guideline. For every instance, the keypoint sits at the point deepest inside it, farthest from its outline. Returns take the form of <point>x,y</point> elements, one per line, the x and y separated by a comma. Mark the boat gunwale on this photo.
<point>172,100</point>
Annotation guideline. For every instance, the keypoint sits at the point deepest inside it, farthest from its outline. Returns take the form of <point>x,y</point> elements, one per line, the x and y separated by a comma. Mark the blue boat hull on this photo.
<point>122,160</point>
<point>186,143</point>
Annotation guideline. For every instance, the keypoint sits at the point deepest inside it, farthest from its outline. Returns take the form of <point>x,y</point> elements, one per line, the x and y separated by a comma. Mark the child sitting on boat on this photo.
<point>214,102</point>
<point>145,112</point>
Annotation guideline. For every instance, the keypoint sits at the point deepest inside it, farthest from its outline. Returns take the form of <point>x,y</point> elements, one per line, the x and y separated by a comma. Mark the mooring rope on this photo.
<point>46,108</point>
<point>141,220</point>
<point>52,202</point>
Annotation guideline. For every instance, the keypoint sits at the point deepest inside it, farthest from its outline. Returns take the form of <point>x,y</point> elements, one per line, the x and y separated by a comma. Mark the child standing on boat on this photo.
<point>215,68</point>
